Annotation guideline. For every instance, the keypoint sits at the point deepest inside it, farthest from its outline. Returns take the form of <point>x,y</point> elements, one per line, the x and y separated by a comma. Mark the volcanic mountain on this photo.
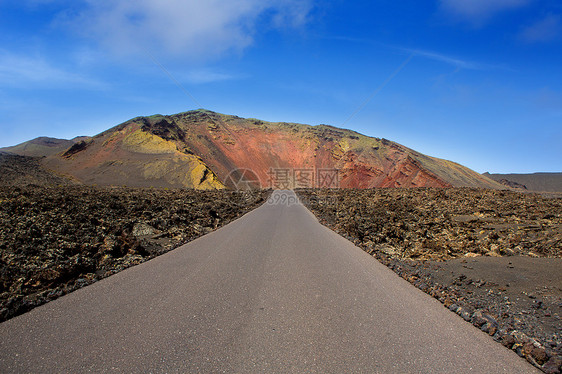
<point>43,146</point>
<point>207,150</point>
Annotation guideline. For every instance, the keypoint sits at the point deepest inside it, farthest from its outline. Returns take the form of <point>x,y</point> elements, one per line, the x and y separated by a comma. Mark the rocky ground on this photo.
<point>54,240</point>
<point>493,257</point>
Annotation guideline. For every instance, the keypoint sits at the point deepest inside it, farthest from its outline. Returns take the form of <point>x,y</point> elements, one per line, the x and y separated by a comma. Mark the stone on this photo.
<point>534,353</point>
<point>508,341</point>
<point>518,348</point>
<point>478,319</point>
<point>553,365</point>
<point>520,337</point>
<point>539,355</point>
<point>489,328</point>
<point>464,314</point>
<point>143,229</point>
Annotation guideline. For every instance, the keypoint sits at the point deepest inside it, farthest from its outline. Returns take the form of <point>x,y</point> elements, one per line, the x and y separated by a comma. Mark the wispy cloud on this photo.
<point>350,39</point>
<point>416,52</point>
<point>545,30</point>
<point>480,10</point>
<point>201,76</point>
<point>188,28</point>
<point>31,72</point>
<point>456,62</point>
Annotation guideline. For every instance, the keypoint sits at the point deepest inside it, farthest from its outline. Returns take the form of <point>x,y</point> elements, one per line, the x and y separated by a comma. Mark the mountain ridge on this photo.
<point>203,149</point>
<point>538,182</point>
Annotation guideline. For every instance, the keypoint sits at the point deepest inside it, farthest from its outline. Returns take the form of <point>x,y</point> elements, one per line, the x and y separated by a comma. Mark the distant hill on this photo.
<point>43,146</point>
<point>204,149</point>
<point>540,182</point>
<point>16,170</point>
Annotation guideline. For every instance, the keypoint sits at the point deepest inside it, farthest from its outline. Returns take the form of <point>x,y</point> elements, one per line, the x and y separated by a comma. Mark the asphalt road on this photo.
<point>273,292</point>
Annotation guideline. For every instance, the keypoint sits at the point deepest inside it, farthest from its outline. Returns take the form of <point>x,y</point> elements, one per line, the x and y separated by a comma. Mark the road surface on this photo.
<point>272,292</point>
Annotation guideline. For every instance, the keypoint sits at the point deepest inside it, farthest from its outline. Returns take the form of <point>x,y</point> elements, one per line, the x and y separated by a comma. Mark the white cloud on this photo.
<point>480,10</point>
<point>545,30</point>
<point>32,72</point>
<point>294,13</point>
<point>195,28</point>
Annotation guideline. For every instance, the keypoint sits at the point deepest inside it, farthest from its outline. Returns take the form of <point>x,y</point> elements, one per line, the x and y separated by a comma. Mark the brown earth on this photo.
<point>54,240</point>
<point>202,149</point>
<point>528,289</point>
<point>493,257</point>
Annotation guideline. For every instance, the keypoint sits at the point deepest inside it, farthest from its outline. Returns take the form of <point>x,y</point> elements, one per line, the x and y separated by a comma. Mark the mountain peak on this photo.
<point>204,149</point>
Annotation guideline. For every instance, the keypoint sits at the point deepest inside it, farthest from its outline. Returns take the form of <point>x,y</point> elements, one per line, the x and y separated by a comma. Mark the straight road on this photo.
<point>272,292</point>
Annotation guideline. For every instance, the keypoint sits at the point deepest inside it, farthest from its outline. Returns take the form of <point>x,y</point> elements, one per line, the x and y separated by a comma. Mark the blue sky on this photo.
<point>478,82</point>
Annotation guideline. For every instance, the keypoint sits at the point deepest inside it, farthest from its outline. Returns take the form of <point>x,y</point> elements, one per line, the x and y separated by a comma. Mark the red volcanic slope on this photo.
<point>211,147</point>
<point>226,142</point>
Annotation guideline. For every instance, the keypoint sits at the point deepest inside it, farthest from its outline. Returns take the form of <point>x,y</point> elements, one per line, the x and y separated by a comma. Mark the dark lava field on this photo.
<point>54,240</point>
<point>492,257</point>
